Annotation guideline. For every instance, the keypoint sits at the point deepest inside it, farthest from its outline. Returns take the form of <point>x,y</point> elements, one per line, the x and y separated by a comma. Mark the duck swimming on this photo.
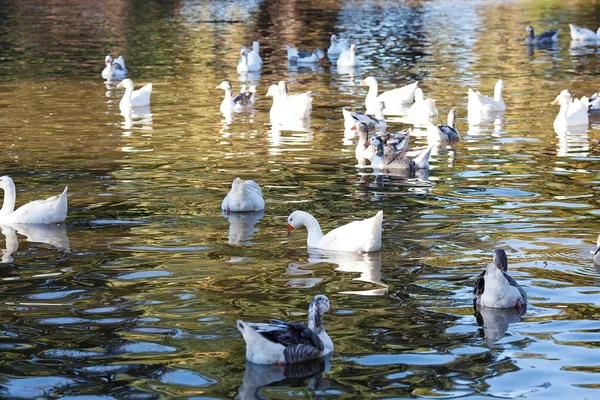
<point>495,288</point>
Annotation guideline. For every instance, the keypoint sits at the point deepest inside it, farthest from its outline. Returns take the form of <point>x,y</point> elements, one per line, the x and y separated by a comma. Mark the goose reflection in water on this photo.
<point>368,265</point>
<point>573,141</point>
<point>141,116</point>
<point>53,234</point>
<point>289,375</point>
<point>495,321</point>
<point>241,226</point>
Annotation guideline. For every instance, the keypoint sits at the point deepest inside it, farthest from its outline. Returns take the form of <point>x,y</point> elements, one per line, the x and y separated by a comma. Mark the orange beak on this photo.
<point>555,101</point>
<point>353,128</point>
<point>289,229</point>
<point>331,308</point>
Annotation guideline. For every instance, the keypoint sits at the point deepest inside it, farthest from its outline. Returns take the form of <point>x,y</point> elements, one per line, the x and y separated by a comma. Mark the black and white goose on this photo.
<point>397,160</point>
<point>279,342</point>
<point>300,56</point>
<point>374,122</point>
<point>495,288</point>
<point>547,37</point>
<point>241,102</point>
<point>444,132</point>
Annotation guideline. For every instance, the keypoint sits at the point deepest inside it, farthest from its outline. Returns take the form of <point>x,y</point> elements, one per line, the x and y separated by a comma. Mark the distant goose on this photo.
<point>546,37</point>
<point>248,63</point>
<point>442,132</point>
<point>134,98</point>
<point>423,111</point>
<point>583,34</point>
<point>303,56</point>
<point>337,46</point>
<point>594,105</point>
<point>399,97</point>
<point>241,102</point>
<point>243,197</point>
<point>573,112</point>
<point>348,58</point>
<point>374,122</point>
<point>278,342</point>
<point>495,288</point>
<point>114,69</point>
<point>478,103</point>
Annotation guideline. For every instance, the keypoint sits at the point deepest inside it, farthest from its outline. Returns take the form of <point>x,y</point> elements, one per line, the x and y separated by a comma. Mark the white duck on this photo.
<point>248,63</point>
<point>423,111</point>
<point>243,197</point>
<point>399,97</point>
<point>114,69</point>
<point>134,98</point>
<point>254,54</point>
<point>348,58</point>
<point>242,102</point>
<point>279,342</point>
<point>337,46</point>
<point>479,103</point>
<point>51,210</point>
<point>495,288</point>
<point>572,111</point>
<point>375,122</point>
<point>357,236</point>
<point>303,56</point>
<point>442,132</point>
<point>289,107</point>
<point>583,34</point>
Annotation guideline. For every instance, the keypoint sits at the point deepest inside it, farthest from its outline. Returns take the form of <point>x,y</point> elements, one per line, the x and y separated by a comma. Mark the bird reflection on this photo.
<point>581,48</point>
<point>495,321</point>
<point>572,141</point>
<point>367,264</point>
<point>483,119</point>
<point>141,116</point>
<point>241,226</point>
<point>52,234</point>
<point>302,134</point>
<point>258,376</point>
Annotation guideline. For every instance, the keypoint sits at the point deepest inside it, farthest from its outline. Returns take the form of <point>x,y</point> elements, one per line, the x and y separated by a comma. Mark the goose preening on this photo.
<point>397,161</point>
<point>289,107</point>
<point>583,34</point>
<point>348,58</point>
<point>422,111</point>
<point>243,197</point>
<point>337,46</point>
<point>374,122</point>
<point>134,98</point>
<point>358,236</point>
<point>278,342</point>
<point>547,37</point>
<point>51,210</point>
<point>495,288</point>
<point>114,69</point>
<point>444,132</point>
<point>244,101</point>
<point>479,103</point>
<point>303,56</point>
<point>572,111</point>
<point>399,97</point>
<point>248,62</point>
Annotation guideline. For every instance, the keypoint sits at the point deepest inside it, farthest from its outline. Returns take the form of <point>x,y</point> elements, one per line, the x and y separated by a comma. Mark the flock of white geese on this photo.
<point>278,342</point>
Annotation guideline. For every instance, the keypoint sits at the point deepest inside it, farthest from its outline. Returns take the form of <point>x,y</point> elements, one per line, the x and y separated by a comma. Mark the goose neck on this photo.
<point>314,230</point>
<point>315,319</point>
<point>8,206</point>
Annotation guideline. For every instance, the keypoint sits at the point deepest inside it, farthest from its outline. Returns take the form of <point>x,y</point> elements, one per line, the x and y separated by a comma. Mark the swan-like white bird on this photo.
<point>399,97</point>
<point>303,56</point>
<point>444,132</point>
<point>583,34</point>
<point>358,236</point>
<point>572,111</point>
<point>495,288</point>
<point>242,102</point>
<point>423,111</point>
<point>336,46</point>
<point>479,103</point>
<point>289,107</point>
<point>254,55</point>
<point>348,58</point>
<point>51,210</point>
<point>114,69</point>
<point>547,37</point>
<point>278,342</point>
<point>134,98</point>
<point>373,122</point>
<point>243,197</point>
<point>248,63</point>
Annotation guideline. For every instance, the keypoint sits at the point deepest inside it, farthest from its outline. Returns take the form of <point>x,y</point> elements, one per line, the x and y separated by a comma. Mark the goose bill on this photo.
<point>289,229</point>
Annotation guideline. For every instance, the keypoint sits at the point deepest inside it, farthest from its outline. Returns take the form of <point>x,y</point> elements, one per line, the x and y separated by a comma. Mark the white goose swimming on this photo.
<point>423,111</point>
<point>337,46</point>
<point>303,56</point>
<point>247,62</point>
<point>348,58</point>
<point>374,122</point>
<point>242,102</point>
<point>114,69</point>
<point>495,288</point>
<point>134,98</point>
<point>254,54</point>
<point>278,342</point>
<point>357,236</point>
<point>51,210</point>
<point>583,34</point>
<point>442,132</point>
<point>399,97</point>
<point>479,103</point>
<point>288,107</point>
<point>573,111</point>
<point>243,197</point>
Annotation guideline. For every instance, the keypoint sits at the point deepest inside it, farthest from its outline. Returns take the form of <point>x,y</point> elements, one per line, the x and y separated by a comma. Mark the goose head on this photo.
<point>225,85</point>
<point>564,97</point>
<point>419,95</point>
<point>273,91</point>
<point>126,83</point>
<point>296,219</point>
<point>377,142</point>
<point>6,182</point>
<point>369,81</point>
<point>500,260</point>
<point>283,89</point>
<point>529,29</point>
<point>380,106</point>
<point>321,303</point>
<point>255,47</point>
<point>333,39</point>
<point>500,84</point>
<point>108,60</point>
<point>352,48</point>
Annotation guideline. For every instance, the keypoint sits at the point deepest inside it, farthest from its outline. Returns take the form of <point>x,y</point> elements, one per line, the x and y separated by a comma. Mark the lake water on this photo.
<point>137,297</point>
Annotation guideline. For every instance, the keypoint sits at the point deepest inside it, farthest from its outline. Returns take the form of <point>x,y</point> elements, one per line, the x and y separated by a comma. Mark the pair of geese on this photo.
<point>115,69</point>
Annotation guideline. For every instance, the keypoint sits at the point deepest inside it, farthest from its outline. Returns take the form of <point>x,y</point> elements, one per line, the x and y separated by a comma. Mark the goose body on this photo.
<point>444,132</point>
<point>358,236</point>
<point>547,37</point>
<point>423,111</point>
<point>495,288</point>
<point>254,55</point>
<point>597,252</point>
<point>399,97</point>
<point>278,342</point>
<point>348,58</point>
<point>114,69</point>
<point>244,101</point>
<point>393,142</point>
<point>303,56</point>
<point>51,210</point>
<point>134,98</point>
<point>248,62</point>
<point>479,103</point>
<point>288,107</point>
<point>243,197</point>
<point>397,161</point>
<point>374,122</point>
<point>337,46</point>
<point>583,34</point>
<point>594,105</point>
<point>572,111</point>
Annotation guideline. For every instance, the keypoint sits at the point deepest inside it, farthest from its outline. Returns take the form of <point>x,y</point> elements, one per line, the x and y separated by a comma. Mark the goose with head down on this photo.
<point>583,34</point>
<point>396,160</point>
<point>243,197</point>
<point>495,288</point>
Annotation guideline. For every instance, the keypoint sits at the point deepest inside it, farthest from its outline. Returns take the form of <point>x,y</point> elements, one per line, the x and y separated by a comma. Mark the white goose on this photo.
<point>248,63</point>
<point>423,111</point>
<point>348,58</point>
<point>479,103</point>
<point>357,236</point>
<point>399,97</point>
<point>51,210</point>
<point>597,252</point>
<point>442,132</point>
<point>114,69</point>
<point>573,111</point>
<point>243,197</point>
<point>134,98</point>
<point>336,46</point>
<point>583,34</point>
<point>254,54</point>
<point>303,56</point>
<point>495,288</point>
<point>279,342</point>
<point>375,122</point>
<point>289,107</point>
<point>242,102</point>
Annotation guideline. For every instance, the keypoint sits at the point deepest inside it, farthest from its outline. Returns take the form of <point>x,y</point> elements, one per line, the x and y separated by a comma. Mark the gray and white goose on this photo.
<point>278,342</point>
<point>376,121</point>
<point>393,142</point>
<point>397,161</point>
<point>547,37</point>
<point>495,288</point>
<point>444,132</point>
